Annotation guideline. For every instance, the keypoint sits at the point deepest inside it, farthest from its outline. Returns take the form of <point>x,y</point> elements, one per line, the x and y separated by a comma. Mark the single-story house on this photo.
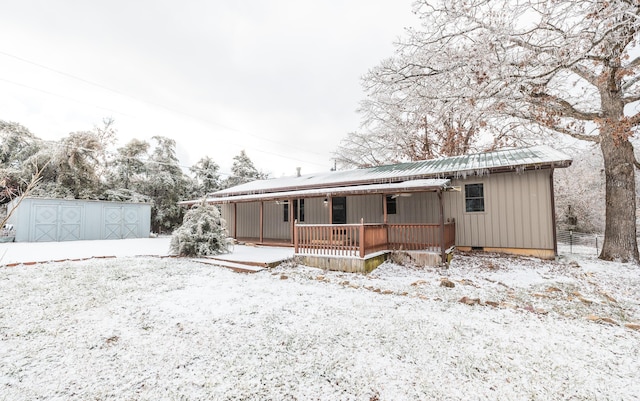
<point>499,201</point>
<point>50,219</point>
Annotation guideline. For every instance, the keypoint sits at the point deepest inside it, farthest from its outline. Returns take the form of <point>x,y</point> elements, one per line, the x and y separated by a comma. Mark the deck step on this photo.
<point>235,266</point>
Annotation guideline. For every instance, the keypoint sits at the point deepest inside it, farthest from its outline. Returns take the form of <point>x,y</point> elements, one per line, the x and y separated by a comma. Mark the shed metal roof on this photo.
<point>518,159</point>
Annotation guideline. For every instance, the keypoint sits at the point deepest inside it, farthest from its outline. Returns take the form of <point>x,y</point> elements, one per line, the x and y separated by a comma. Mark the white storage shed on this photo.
<point>45,219</point>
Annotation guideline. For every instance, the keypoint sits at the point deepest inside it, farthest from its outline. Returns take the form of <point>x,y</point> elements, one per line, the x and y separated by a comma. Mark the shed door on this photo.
<point>121,222</point>
<point>56,223</point>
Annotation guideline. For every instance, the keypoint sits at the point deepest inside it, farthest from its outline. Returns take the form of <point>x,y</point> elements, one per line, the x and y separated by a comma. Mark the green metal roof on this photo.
<point>514,159</point>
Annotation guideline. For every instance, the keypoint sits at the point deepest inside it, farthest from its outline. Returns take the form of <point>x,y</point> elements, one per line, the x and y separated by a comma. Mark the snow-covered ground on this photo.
<point>144,328</point>
<point>24,252</point>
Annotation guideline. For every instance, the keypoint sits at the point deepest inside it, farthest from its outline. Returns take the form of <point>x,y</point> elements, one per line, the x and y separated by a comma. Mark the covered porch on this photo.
<point>352,221</point>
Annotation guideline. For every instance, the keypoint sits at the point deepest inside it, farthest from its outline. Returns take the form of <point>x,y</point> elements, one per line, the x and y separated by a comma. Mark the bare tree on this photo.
<point>563,67</point>
<point>17,196</point>
<point>401,122</point>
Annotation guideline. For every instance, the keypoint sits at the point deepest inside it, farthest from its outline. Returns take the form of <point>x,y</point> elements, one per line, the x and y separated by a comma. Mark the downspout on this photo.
<point>553,215</point>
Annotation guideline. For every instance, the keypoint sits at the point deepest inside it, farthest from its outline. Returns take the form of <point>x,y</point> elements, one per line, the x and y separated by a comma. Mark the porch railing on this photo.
<point>362,239</point>
<point>413,237</point>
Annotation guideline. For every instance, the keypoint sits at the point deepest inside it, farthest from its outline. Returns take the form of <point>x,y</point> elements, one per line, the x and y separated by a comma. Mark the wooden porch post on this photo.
<point>291,219</point>
<point>553,215</point>
<point>442,242</point>
<point>361,237</point>
<point>330,210</point>
<point>235,220</point>
<point>385,219</point>
<point>295,236</point>
<point>261,221</point>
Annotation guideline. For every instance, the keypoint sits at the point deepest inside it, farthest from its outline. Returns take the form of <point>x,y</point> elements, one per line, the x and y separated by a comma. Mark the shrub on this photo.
<point>202,233</point>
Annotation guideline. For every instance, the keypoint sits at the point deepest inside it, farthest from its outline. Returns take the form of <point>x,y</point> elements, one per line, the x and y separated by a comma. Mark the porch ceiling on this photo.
<point>425,185</point>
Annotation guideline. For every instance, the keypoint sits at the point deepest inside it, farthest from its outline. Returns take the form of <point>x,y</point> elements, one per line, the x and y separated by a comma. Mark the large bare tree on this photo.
<point>568,67</point>
<point>402,121</point>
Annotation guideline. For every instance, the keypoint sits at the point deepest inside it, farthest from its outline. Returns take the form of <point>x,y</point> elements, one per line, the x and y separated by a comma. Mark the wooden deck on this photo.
<point>265,241</point>
<point>359,240</point>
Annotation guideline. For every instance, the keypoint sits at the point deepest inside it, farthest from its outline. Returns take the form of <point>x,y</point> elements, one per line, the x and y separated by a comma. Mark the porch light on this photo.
<point>326,201</point>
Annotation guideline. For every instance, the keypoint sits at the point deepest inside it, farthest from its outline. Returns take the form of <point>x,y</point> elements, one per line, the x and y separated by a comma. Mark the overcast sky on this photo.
<point>278,78</point>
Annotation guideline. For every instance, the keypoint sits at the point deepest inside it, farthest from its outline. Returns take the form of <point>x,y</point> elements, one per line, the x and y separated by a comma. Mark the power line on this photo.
<point>98,85</point>
<point>62,96</point>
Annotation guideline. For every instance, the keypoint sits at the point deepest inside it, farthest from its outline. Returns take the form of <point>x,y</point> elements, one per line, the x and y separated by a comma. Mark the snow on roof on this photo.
<point>448,167</point>
<point>388,188</point>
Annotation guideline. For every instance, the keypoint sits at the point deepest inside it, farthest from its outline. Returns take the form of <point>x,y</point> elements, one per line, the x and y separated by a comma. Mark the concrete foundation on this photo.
<point>370,262</point>
<point>345,264</point>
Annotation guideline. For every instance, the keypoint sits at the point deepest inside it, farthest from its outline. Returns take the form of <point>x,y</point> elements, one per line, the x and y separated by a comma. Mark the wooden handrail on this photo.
<point>362,239</point>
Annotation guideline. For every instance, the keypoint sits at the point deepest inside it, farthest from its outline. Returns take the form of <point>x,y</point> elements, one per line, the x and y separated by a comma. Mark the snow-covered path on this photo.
<point>167,329</point>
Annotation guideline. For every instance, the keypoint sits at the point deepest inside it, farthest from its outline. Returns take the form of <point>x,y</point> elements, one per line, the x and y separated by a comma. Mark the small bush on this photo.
<point>202,233</point>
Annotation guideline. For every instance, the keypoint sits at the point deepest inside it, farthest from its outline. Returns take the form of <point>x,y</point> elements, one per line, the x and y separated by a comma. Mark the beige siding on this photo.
<point>274,225</point>
<point>226,210</point>
<point>248,220</point>
<point>418,208</point>
<point>316,211</point>
<point>367,207</point>
<point>517,212</point>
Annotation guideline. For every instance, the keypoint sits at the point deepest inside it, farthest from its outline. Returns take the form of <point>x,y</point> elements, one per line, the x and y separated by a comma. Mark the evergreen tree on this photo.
<point>47,161</point>
<point>78,159</point>
<point>243,171</point>
<point>166,184</point>
<point>128,166</point>
<point>207,176</point>
<point>127,173</point>
<point>17,144</point>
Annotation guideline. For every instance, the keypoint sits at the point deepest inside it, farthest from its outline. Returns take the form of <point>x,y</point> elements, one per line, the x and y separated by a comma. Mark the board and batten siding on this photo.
<point>274,225</point>
<point>248,220</point>
<point>518,211</point>
<point>421,207</point>
<point>316,211</point>
<point>367,207</point>
<point>226,211</point>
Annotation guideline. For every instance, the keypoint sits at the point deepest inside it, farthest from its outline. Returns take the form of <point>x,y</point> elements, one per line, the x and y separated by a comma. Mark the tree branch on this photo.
<point>561,105</point>
<point>634,120</point>
<point>631,99</point>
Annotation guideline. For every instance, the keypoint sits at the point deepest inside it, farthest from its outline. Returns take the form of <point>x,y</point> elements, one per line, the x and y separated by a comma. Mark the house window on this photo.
<point>285,211</point>
<point>391,204</point>
<point>298,210</point>
<point>474,197</point>
<point>301,209</point>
